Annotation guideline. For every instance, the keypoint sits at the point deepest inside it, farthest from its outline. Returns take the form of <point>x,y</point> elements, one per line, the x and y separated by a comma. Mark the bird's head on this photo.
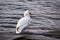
<point>27,13</point>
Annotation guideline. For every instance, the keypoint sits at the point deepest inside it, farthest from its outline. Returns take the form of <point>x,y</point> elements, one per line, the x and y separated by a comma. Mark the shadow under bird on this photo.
<point>23,22</point>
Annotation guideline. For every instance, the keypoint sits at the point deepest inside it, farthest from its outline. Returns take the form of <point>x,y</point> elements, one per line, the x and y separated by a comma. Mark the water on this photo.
<point>45,13</point>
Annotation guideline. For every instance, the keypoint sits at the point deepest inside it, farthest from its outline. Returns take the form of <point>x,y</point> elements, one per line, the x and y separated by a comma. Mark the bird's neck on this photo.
<point>27,16</point>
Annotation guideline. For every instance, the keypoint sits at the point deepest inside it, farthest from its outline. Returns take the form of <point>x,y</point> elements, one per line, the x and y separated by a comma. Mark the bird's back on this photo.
<point>22,23</point>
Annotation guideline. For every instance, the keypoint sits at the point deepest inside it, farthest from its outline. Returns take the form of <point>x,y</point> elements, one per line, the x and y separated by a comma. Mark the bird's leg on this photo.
<point>25,29</point>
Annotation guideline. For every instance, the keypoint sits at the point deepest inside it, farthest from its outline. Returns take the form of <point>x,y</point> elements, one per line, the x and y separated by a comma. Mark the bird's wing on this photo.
<point>22,23</point>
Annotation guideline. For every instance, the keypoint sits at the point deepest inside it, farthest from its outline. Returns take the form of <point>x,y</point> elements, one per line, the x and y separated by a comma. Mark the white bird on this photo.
<point>23,22</point>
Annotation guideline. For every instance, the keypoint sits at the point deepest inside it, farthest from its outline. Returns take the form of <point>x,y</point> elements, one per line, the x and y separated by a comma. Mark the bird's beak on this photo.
<point>30,15</point>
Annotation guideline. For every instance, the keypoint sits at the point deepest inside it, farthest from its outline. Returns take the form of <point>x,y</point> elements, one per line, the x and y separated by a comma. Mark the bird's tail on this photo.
<point>17,30</point>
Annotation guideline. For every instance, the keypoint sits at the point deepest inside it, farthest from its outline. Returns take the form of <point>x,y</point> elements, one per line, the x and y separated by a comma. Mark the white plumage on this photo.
<point>23,22</point>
